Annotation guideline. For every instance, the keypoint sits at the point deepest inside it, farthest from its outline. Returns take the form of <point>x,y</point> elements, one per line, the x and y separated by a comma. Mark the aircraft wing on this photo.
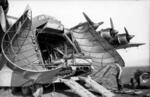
<point>93,45</point>
<point>103,55</point>
<point>129,45</point>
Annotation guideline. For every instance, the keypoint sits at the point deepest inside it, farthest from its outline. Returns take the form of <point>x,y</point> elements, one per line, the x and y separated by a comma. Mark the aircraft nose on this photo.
<point>96,25</point>
<point>131,36</point>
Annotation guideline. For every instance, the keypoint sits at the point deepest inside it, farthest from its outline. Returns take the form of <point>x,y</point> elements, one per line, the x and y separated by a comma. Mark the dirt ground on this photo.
<point>70,93</point>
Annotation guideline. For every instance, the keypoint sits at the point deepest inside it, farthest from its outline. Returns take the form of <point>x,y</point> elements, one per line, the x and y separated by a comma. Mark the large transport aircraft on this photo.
<point>38,51</point>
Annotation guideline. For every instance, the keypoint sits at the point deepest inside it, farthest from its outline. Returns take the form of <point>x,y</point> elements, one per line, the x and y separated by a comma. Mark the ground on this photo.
<point>69,93</point>
<point>128,72</point>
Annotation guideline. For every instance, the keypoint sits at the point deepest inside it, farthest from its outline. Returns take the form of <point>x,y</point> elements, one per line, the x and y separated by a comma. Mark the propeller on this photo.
<point>113,32</point>
<point>128,36</point>
<point>111,23</point>
<point>95,25</point>
<point>88,19</point>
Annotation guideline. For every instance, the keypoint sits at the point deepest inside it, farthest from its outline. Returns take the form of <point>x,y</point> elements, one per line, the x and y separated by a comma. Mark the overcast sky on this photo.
<point>134,15</point>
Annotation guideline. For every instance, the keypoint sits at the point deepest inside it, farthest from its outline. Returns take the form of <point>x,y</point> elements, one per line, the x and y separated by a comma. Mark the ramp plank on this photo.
<point>77,88</point>
<point>97,87</point>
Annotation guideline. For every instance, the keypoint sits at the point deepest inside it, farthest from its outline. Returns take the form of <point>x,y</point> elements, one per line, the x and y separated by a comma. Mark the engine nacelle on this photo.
<point>106,35</point>
<point>122,39</point>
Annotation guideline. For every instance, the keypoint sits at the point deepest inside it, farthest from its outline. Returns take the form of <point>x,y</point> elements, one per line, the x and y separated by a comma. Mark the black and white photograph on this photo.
<point>74,48</point>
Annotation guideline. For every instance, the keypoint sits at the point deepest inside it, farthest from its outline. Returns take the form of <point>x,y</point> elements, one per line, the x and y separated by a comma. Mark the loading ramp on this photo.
<point>77,88</point>
<point>97,87</point>
<point>83,92</point>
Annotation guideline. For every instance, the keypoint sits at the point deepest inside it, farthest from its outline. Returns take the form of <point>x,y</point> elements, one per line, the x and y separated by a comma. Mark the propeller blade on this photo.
<point>129,37</point>
<point>96,25</point>
<point>3,19</point>
<point>126,31</point>
<point>27,8</point>
<point>88,19</point>
<point>111,23</point>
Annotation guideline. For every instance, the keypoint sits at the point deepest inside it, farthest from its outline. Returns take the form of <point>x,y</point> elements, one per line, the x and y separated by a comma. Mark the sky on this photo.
<point>134,15</point>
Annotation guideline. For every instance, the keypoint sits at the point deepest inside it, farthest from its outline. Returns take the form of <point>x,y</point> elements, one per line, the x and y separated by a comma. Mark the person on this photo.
<point>137,77</point>
<point>133,83</point>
